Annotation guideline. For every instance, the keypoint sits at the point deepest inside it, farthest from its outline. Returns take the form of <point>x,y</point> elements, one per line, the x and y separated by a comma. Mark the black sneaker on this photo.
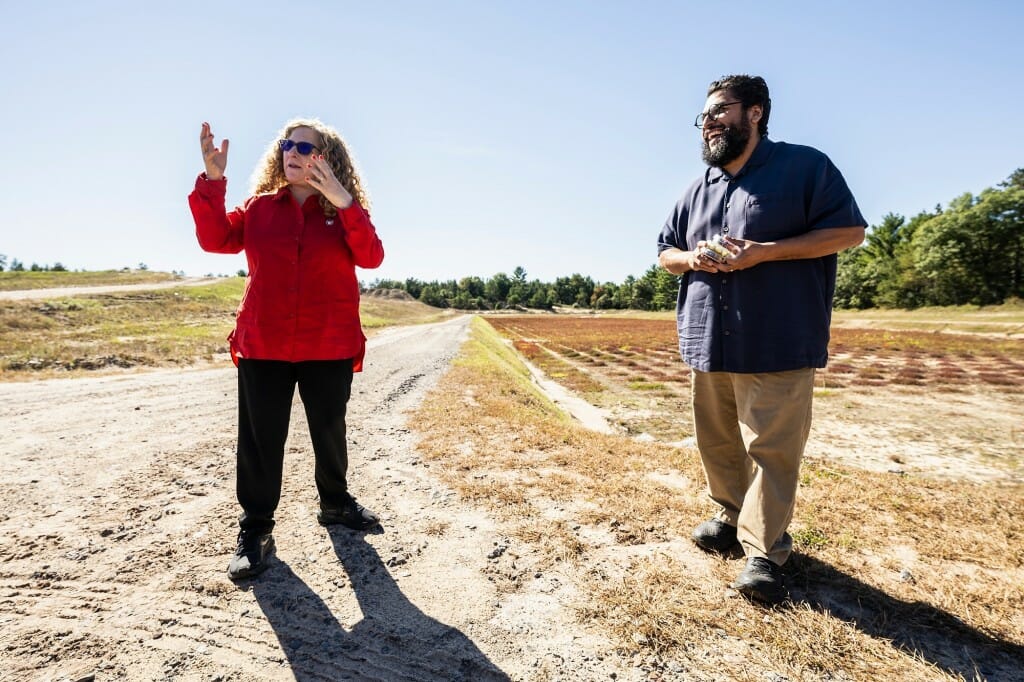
<point>761,580</point>
<point>715,535</point>
<point>251,557</point>
<point>351,515</point>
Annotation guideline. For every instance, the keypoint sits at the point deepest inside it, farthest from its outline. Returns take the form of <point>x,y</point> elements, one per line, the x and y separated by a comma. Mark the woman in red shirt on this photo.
<point>304,230</point>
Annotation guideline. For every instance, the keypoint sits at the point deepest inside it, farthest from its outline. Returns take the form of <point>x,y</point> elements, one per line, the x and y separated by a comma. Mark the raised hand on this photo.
<point>321,178</point>
<point>216,160</point>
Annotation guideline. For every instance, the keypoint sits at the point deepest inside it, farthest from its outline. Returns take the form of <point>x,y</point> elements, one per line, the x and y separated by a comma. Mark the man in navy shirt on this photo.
<point>754,323</point>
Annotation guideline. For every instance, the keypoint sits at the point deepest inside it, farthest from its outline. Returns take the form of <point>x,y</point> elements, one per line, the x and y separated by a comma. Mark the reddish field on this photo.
<point>644,351</point>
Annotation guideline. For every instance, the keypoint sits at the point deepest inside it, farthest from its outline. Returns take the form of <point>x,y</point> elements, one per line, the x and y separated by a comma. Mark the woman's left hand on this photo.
<point>321,178</point>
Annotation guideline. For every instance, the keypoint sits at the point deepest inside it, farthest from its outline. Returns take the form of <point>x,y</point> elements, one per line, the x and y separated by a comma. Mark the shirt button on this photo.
<point>725,307</point>
<point>726,332</point>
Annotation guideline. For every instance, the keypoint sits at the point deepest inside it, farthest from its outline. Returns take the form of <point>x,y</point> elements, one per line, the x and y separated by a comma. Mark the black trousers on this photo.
<point>265,392</point>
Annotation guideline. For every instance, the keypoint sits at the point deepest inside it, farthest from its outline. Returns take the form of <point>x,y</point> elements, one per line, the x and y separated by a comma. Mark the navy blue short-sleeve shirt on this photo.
<point>775,316</point>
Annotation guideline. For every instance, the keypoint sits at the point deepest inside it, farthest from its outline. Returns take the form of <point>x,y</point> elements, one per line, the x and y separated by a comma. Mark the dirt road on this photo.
<point>117,519</point>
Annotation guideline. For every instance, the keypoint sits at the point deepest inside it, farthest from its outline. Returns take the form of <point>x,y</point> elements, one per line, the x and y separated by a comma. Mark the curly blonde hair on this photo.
<point>269,173</point>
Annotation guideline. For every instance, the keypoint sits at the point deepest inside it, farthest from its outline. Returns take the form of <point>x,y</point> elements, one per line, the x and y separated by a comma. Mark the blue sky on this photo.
<point>555,136</point>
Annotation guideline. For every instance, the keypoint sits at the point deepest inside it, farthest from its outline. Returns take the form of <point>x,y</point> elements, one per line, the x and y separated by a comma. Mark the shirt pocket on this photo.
<point>773,215</point>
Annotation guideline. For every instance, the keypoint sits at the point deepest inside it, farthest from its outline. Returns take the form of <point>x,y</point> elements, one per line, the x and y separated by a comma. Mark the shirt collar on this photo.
<point>762,152</point>
<point>285,193</point>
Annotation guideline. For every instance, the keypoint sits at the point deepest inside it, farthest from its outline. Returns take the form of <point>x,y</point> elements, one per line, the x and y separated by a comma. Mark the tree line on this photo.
<point>970,253</point>
<point>17,266</point>
<point>654,290</point>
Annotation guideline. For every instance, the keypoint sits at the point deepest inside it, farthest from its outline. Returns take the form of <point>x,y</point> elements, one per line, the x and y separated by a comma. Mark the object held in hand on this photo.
<point>715,250</point>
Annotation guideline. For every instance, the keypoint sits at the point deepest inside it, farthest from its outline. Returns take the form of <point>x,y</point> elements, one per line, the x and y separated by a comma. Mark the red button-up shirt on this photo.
<point>301,299</point>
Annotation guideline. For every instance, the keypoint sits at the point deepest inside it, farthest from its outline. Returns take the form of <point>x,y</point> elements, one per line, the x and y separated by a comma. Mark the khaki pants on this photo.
<point>751,430</point>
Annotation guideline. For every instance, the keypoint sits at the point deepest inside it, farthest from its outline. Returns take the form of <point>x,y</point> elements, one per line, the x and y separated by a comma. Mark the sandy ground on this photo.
<point>118,518</point>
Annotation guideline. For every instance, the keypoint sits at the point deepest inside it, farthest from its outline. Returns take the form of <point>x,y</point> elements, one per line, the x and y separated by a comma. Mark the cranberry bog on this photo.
<point>941,403</point>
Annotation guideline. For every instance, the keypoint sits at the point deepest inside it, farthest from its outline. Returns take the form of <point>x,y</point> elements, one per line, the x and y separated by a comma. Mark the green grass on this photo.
<point>646,385</point>
<point>17,281</point>
<point>810,538</point>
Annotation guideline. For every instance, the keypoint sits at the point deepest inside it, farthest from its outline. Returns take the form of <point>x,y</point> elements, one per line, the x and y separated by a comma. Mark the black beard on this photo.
<point>728,147</point>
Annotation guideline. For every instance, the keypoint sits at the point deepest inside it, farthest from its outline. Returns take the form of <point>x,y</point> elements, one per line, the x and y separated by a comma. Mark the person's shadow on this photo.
<point>934,635</point>
<point>394,641</point>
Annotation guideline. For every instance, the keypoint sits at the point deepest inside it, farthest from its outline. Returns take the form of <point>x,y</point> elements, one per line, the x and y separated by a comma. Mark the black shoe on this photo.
<point>351,515</point>
<point>251,557</point>
<point>715,535</point>
<point>762,580</point>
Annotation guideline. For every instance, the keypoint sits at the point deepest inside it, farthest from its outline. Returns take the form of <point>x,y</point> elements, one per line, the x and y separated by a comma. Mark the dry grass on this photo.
<point>377,312</point>
<point>893,578</point>
<point>1001,320</point>
<point>17,281</point>
<point>160,328</point>
<point>167,327</point>
<point>1006,319</point>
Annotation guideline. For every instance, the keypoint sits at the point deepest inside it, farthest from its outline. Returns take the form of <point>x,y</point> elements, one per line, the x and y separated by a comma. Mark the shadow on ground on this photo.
<point>938,637</point>
<point>394,641</point>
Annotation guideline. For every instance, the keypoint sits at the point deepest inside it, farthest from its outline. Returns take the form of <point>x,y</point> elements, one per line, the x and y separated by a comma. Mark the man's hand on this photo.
<point>678,261</point>
<point>745,254</point>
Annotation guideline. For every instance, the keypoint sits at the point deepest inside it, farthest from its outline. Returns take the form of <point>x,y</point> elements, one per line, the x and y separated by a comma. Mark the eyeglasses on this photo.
<point>714,113</point>
<point>304,148</point>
